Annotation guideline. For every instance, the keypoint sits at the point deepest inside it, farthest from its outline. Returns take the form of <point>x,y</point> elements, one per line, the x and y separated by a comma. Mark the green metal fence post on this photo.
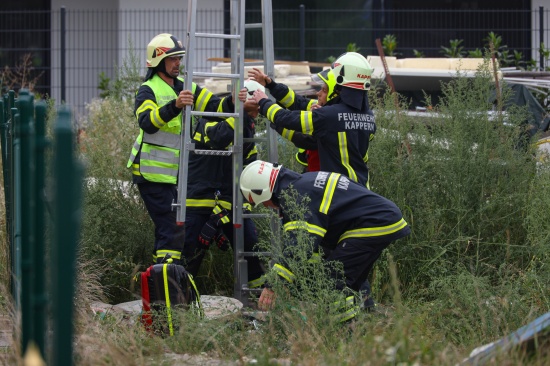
<point>39,252</point>
<point>16,216</point>
<point>27,189</point>
<point>8,184</point>
<point>67,221</point>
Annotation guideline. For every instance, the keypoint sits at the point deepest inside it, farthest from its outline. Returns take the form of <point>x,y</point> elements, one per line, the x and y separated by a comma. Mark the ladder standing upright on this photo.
<point>237,41</point>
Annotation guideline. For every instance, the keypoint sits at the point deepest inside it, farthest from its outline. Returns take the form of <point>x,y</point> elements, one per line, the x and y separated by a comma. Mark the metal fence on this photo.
<point>100,42</point>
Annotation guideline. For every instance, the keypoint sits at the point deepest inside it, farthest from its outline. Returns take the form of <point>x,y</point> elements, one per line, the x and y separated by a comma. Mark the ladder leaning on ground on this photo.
<point>237,41</point>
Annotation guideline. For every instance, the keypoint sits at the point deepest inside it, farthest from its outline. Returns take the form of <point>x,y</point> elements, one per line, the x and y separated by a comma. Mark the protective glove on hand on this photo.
<point>221,241</point>
<point>207,235</point>
<point>210,229</point>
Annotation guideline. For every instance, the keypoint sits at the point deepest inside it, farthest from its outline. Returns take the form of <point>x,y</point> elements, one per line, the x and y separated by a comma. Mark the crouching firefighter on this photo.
<point>354,223</point>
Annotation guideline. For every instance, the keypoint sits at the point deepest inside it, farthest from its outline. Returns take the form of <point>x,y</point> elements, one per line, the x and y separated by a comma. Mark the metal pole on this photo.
<point>541,36</point>
<point>302,32</point>
<point>26,167</point>
<point>39,300</point>
<point>67,222</point>
<point>62,54</point>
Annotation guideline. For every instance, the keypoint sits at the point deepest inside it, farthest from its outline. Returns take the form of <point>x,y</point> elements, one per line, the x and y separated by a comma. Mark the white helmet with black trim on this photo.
<point>162,46</point>
<point>258,180</point>
<point>252,85</point>
<point>352,70</point>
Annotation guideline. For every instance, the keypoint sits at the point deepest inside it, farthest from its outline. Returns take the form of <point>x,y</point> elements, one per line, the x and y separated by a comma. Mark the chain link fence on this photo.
<point>98,42</point>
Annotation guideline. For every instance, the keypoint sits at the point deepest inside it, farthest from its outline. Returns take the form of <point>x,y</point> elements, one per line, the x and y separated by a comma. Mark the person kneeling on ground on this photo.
<point>355,223</point>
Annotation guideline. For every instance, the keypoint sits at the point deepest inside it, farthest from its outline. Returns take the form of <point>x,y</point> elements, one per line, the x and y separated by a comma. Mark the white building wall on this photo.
<point>102,35</point>
<point>535,25</point>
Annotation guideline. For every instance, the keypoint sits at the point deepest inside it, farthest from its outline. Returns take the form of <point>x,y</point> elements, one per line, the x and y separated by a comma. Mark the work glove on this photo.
<point>210,229</point>
<point>221,241</point>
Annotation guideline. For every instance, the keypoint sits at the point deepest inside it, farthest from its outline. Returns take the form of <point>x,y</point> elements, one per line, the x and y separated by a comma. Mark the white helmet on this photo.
<point>252,86</point>
<point>162,46</point>
<point>352,70</point>
<point>258,180</point>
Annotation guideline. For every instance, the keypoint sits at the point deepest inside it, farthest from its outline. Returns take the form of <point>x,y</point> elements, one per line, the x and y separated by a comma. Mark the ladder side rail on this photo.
<point>269,69</point>
<point>186,116</point>
<point>238,8</point>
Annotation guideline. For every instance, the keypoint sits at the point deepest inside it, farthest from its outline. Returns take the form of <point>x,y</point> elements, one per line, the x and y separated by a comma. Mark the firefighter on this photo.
<point>354,223</point>
<point>154,159</point>
<point>307,154</point>
<point>210,189</point>
<point>344,126</point>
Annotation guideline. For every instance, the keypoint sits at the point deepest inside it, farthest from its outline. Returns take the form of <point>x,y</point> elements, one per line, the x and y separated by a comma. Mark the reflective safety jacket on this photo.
<point>155,153</point>
<point>343,133</point>
<point>307,154</point>
<point>210,177</point>
<point>337,209</point>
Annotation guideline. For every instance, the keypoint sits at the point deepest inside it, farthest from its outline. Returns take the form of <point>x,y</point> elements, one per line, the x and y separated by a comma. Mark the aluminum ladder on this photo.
<point>237,76</point>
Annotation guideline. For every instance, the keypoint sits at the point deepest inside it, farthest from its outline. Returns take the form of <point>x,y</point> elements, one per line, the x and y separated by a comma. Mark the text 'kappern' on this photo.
<point>357,121</point>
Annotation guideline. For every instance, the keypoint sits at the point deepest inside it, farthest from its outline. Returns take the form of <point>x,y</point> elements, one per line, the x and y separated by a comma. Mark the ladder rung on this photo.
<point>256,216</point>
<point>256,254</point>
<point>255,139</point>
<point>218,35</point>
<point>254,63</point>
<point>212,152</point>
<point>255,290</point>
<point>253,25</point>
<point>214,114</point>
<point>216,75</point>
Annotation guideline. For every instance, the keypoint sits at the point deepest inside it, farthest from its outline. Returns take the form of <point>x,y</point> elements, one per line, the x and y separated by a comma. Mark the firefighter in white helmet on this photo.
<point>154,159</point>
<point>344,126</point>
<point>210,181</point>
<point>307,154</point>
<point>355,223</point>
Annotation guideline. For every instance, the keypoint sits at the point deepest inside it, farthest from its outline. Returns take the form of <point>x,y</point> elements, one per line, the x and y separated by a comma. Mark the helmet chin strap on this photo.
<point>162,68</point>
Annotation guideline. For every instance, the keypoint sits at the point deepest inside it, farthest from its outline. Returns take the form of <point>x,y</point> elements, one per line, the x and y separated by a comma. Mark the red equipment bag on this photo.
<point>165,287</point>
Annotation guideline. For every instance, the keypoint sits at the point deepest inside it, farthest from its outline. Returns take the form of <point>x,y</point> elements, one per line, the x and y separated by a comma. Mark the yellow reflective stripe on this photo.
<point>231,122</point>
<point>154,116</point>
<point>304,225</point>
<point>252,152</point>
<point>257,282</point>
<point>373,231</point>
<point>306,118</point>
<point>173,253</point>
<point>315,258</point>
<point>272,110</point>
<point>343,144</point>
<point>348,314</point>
<point>287,134</point>
<point>190,202</point>
<point>288,99</point>
<point>366,157</point>
<point>148,104</point>
<point>135,169</point>
<point>198,300</point>
<point>217,209</point>
<point>208,125</point>
<point>202,100</point>
<point>311,102</point>
<point>167,298</point>
<point>220,106</point>
<point>331,184</point>
<point>197,136</point>
<point>284,272</point>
